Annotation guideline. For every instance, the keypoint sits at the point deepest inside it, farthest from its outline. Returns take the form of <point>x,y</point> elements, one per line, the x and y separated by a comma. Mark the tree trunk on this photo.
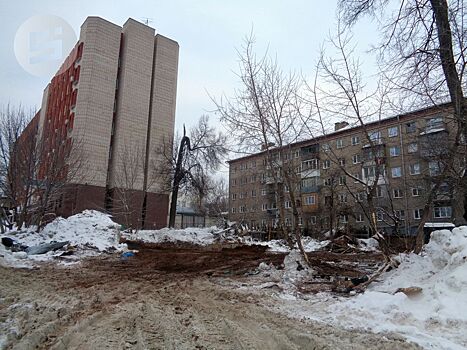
<point>178,176</point>
<point>448,63</point>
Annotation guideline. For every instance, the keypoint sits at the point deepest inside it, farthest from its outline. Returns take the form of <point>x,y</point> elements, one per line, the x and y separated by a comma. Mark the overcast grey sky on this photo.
<point>208,32</point>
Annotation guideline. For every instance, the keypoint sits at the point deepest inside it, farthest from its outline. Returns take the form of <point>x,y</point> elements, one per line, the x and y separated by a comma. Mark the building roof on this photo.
<point>351,129</point>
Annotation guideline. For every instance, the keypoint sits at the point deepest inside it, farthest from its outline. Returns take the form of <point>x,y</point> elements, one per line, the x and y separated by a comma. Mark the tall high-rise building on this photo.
<point>112,104</point>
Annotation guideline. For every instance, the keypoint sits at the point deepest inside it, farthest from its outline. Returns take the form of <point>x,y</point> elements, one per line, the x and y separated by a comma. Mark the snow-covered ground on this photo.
<point>436,318</point>
<point>92,232</point>
<point>196,236</point>
<point>88,233</point>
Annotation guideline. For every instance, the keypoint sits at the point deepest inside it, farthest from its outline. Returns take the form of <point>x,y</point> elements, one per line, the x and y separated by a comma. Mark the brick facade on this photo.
<point>112,105</point>
<point>404,152</point>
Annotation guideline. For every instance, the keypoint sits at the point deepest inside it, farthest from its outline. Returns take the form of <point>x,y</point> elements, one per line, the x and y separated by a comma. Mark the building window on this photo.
<point>325,147</point>
<point>234,182</point>
<point>288,205</point>
<point>375,136</point>
<point>379,191</point>
<point>264,192</point>
<point>395,151</point>
<point>355,140</point>
<point>343,198</point>
<point>342,161</point>
<point>242,209</point>
<point>288,222</point>
<point>410,127</point>
<point>393,131</point>
<point>328,181</point>
<point>310,164</point>
<point>264,207</point>
<point>310,200</point>
<point>434,123</point>
<point>442,212</point>
<point>344,219</point>
<point>435,168</point>
<point>412,147</point>
<point>415,169</point>
<point>326,164</point>
<point>415,191</point>
<point>234,210</point>
<point>396,172</point>
<point>253,193</point>
<point>360,196</point>
<point>379,216</point>
<point>312,220</point>
<point>359,217</point>
<point>400,214</point>
<point>296,154</point>
<point>342,180</point>
<point>356,159</point>
<point>253,178</point>
<point>234,196</point>
<point>417,214</point>
<point>340,143</point>
<point>397,193</point>
<point>300,221</point>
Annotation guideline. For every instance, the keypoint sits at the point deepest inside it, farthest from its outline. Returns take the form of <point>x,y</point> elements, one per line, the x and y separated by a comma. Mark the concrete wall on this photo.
<point>96,95</point>
<point>163,103</point>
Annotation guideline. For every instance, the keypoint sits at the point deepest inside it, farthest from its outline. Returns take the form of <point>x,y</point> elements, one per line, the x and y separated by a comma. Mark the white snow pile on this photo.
<point>195,236</point>
<point>295,270</point>
<point>435,318</point>
<point>280,245</point>
<point>87,232</point>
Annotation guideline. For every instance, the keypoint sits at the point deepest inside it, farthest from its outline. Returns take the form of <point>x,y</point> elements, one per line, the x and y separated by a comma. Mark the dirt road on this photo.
<point>161,299</point>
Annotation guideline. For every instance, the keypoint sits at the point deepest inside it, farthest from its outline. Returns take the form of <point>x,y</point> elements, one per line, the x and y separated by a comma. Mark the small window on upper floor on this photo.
<point>412,147</point>
<point>355,140</point>
<point>339,143</point>
<point>410,127</point>
<point>393,131</point>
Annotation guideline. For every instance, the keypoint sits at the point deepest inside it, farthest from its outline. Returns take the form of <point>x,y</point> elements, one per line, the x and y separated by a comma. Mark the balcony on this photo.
<point>310,189</point>
<point>434,128</point>
<point>272,211</point>
<point>377,142</point>
<point>309,173</point>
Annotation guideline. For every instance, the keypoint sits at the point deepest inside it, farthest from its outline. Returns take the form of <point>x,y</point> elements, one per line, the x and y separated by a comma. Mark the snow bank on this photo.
<point>436,318</point>
<point>89,229</point>
<point>280,246</point>
<point>88,232</point>
<point>196,236</point>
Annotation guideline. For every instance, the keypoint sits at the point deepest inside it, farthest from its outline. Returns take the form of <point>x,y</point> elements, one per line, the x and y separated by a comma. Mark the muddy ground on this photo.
<point>163,298</point>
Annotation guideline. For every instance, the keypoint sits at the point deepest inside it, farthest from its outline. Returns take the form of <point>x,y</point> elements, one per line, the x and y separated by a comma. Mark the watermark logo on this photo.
<point>42,43</point>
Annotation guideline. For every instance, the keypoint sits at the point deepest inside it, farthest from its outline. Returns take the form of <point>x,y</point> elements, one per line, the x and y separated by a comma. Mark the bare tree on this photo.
<point>59,166</point>
<point>193,156</point>
<point>423,53</point>
<point>125,196</point>
<point>18,158</point>
<point>263,114</point>
<point>339,91</point>
<point>216,202</point>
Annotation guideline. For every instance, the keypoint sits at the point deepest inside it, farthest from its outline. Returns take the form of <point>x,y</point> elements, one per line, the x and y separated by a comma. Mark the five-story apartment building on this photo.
<point>395,161</point>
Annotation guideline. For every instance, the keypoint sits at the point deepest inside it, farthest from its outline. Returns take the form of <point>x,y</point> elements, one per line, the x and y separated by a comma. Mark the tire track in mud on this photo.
<point>109,304</point>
